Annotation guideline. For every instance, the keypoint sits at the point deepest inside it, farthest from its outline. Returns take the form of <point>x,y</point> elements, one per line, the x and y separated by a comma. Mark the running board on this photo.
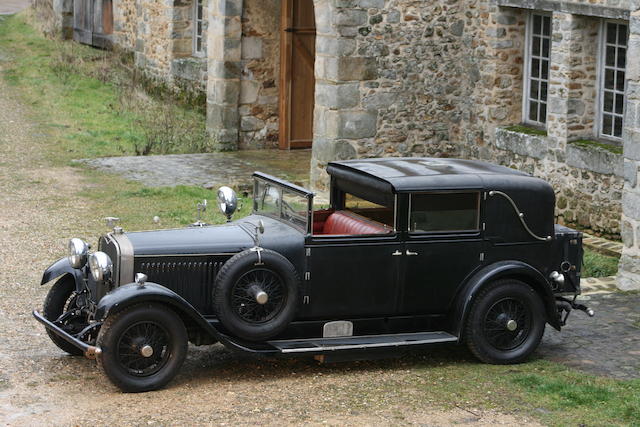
<point>317,345</point>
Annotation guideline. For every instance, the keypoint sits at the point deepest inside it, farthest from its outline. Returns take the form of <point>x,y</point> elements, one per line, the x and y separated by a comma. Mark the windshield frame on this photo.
<point>284,185</point>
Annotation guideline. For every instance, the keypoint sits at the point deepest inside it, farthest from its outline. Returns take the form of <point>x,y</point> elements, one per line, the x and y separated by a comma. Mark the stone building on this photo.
<point>551,87</point>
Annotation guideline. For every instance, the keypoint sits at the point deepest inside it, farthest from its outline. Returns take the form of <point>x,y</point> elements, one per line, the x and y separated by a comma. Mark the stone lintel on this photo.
<point>568,7</point>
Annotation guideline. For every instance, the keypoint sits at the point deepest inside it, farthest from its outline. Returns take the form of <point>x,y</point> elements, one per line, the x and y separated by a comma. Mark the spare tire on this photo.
<point>256,294</point>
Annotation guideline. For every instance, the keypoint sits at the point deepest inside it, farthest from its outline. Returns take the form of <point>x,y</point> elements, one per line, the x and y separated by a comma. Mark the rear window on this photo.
<point>444,212</point>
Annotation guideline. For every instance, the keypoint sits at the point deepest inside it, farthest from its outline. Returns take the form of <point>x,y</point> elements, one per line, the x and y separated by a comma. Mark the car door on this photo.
<point>353,276</point>
<point>443,246</point>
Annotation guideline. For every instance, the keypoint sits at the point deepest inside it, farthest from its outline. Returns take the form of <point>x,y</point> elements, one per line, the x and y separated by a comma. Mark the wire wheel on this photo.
<point>507,323</point>
<point>143,349</point>
<point>258,296</point>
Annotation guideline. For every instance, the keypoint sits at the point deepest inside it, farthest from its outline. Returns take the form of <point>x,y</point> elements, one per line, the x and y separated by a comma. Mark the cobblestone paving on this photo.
<point>607,344</point>
<point>598,285</point>
<point>208,169</point>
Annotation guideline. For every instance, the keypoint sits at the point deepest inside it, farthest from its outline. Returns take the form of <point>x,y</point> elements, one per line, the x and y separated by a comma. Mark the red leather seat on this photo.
<point>341,222</point>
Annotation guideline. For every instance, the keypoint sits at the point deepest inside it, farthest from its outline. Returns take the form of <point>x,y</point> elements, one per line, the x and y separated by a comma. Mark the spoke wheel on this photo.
<point>244,300</point>
<point>61,298</point>
<point>143,349</point>
<point>505,323</point>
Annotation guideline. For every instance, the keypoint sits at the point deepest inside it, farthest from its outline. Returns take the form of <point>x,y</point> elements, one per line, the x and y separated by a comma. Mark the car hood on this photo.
<point>228,238</point>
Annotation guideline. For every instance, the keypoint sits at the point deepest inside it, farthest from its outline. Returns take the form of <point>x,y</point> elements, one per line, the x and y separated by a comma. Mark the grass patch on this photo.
<point>93,98</point>
<point>587,143</point>
<point>528,130</point>
<point>595,264</point>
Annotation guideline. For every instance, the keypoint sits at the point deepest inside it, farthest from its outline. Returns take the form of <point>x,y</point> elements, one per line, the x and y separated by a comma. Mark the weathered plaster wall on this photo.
<point>259,82</point>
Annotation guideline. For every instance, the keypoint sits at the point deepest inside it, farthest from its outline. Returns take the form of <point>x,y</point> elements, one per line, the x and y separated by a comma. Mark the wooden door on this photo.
<point>93,22</point>
<point>297,79</point>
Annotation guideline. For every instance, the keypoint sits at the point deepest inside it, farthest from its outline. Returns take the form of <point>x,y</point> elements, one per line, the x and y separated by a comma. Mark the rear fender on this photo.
<point>60,268</point>
<point>132,293</point>
<point>502,270</point>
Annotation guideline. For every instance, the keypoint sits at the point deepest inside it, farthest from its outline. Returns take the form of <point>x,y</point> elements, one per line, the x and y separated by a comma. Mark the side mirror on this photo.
<point>227,201</point>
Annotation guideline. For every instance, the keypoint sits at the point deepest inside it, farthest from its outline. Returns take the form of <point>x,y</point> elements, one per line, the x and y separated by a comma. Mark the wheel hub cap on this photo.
<point>512,325</point>
<point>146,351</point>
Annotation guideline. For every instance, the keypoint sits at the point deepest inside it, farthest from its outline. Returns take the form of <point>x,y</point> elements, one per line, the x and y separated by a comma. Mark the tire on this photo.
<point>123,337</point>
<point>489,335</point>
<point>59,300</point>
<point>236,288</point>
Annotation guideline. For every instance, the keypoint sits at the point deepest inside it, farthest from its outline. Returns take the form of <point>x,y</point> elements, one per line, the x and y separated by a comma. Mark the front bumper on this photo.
<point>90,351</point>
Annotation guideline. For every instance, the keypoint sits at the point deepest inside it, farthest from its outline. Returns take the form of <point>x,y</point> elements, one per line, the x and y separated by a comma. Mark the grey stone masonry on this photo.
<point>629,270</point>
<point>223,72</point>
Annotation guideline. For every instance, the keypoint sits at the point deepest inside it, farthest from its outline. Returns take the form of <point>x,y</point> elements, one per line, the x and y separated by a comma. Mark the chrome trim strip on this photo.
<point>520,215</point>
<point>126,258</point>
<point>189,255</point>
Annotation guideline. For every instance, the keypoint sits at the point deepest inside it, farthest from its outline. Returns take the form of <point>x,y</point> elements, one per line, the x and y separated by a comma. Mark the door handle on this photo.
<point>397,253</point>
<point>409,253</point>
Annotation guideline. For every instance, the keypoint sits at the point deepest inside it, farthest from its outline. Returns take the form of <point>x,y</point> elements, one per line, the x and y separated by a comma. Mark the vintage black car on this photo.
<point>410,252</point>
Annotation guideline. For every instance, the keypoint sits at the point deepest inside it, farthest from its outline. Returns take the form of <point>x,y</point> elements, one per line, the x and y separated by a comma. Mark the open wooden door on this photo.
<point>93,22</point>
<point>297,79</point>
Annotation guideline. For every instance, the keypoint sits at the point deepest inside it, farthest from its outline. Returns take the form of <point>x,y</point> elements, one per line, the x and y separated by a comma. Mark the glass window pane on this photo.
<point>543,91</point>
<point>533,111</point>
<point>620,81</point>
<point>535,46</point>
<point>619,103</point>
<point>534,89</point>
<point>609,78</point>
<point>608,101</point>
<point>543,113</point>
<point>606,124</point>
<point>535,67</point>
<point>622,35</point>
<point>617,129</point>
<point>611,33</point>
<point>547,26</point>
<point>610,56</point>
<point>622,57</point>
<point>444,212</point>
<point>545,48</point>
<point>537,24</point>
<point>544,66</point>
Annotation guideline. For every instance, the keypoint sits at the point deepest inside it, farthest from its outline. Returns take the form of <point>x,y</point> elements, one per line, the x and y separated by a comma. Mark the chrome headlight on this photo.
<point>78,250</point>
<point>101,266</point>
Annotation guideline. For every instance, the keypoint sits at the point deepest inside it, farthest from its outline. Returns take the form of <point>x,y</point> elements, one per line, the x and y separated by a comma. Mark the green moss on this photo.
<point>595,264</point>
<point>587,143</point>
<point>528,130</point>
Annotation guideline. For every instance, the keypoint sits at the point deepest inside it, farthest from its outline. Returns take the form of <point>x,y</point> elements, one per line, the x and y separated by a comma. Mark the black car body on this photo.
<point>411,251</point>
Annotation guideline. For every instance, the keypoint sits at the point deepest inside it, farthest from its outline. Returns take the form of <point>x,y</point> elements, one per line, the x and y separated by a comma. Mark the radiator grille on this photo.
<point>192,278</point>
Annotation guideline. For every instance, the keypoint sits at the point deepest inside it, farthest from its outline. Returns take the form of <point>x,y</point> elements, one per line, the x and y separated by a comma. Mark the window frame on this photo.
<point>601,64</point>
<point>527,68</point>
<point>474,232</point>
<point>198,4</point>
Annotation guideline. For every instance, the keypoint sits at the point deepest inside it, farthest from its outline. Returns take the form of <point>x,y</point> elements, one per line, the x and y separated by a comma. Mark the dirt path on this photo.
<point>39,385</point>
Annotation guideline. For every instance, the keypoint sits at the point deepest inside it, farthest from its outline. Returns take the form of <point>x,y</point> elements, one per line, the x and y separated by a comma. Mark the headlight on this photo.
<point>78,250</point>
<point>101,266</point>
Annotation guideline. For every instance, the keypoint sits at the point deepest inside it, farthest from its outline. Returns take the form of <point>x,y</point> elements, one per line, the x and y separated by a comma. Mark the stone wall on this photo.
<point>125,21</point>
<point>259,81</point>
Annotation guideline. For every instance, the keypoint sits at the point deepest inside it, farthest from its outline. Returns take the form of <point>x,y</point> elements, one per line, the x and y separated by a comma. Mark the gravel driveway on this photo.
<point>39,385</point>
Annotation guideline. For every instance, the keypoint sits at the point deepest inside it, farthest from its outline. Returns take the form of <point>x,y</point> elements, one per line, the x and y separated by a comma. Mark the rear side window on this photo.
<point>444,212</point>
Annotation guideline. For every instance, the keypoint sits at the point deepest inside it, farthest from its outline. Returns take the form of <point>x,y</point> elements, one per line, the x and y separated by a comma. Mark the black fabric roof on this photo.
<point>419,173</point>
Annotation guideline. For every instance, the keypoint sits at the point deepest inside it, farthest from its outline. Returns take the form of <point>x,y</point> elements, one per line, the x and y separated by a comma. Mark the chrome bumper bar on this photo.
<point>89,351</point>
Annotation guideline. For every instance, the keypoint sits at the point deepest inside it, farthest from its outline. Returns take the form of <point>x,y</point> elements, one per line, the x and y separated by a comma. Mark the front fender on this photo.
<point>60,268</point>
<point>132,293</point>
<point>503,269</point>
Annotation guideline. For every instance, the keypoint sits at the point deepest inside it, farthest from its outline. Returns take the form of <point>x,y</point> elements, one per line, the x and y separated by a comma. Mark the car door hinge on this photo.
<point>484,226</point>
<point>308,251</point>
<point>481,256</point>
<point>305,299</point>
<point>307,276</point>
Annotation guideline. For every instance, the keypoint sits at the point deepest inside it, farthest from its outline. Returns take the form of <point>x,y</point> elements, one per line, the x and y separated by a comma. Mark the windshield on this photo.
<point>280,201</point>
